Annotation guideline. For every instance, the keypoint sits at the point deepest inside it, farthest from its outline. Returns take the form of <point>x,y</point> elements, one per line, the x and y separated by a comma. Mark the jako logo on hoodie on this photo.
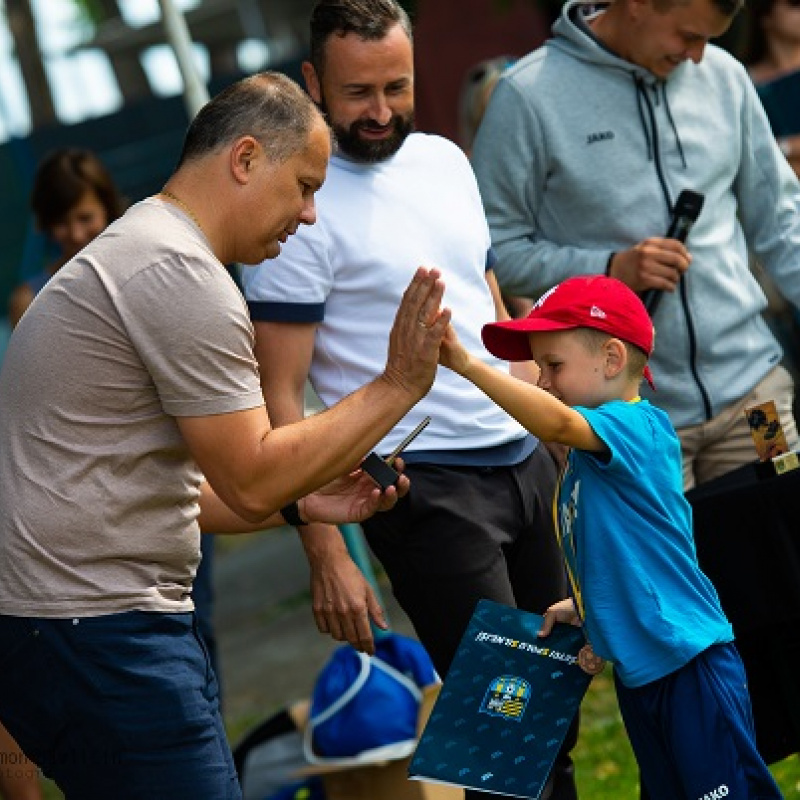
<point>600,136</point>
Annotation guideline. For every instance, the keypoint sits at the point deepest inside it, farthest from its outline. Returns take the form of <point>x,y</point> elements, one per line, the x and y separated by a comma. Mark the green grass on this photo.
<point>604,764</point>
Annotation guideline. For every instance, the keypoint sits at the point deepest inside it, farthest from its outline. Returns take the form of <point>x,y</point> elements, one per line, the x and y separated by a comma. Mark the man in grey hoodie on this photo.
<point>586,145</point>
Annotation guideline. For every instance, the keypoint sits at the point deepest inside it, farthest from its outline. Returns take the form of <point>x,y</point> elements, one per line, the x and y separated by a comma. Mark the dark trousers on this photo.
<point>463,534</point>
<point>203,596</point>
<point>692,731</point>
<point>121,706</point>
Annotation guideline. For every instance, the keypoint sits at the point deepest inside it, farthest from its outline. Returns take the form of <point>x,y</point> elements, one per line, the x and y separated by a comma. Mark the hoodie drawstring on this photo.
<point>672,124</point>
<point>650,128</point>
<point>640,93</point>
<point>651,134</point>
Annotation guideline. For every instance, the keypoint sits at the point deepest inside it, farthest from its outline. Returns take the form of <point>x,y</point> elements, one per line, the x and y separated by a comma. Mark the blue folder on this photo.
<point>505,705</point>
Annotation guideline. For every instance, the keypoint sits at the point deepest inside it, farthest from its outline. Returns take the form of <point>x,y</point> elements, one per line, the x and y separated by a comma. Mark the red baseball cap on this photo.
<point>588,301</point>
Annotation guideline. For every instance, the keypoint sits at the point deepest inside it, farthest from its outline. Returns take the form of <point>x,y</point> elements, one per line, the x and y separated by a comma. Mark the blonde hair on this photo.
<point>476,89</point>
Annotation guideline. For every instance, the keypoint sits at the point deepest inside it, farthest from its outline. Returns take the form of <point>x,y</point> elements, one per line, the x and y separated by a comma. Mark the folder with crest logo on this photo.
<point>505,706</point>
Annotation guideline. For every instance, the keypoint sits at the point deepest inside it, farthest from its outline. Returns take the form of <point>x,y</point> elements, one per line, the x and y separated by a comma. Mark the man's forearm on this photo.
<point>216,517</point>
<point>285,401</point>
<point>333,442</point>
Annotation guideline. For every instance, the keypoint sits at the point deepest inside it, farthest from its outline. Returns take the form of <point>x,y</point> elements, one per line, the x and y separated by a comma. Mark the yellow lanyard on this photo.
<point>567,543</point>
<point>571,558</point>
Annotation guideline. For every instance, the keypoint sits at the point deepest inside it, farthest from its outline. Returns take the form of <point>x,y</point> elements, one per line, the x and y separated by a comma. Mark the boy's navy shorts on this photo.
<point>692,732</point>
<point>122,706</point>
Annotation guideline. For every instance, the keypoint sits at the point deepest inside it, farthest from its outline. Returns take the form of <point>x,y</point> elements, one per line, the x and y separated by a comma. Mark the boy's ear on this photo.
<point>616,357</point>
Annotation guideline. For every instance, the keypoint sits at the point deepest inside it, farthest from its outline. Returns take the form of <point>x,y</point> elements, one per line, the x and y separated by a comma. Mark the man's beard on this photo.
<point>369,151</point>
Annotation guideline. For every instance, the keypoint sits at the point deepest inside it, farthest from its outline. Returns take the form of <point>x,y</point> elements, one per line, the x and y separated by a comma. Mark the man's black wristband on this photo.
<point>291,513</point>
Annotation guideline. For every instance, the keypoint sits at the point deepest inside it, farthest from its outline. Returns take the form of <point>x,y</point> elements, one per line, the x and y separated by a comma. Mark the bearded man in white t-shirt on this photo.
<point>477,523</point>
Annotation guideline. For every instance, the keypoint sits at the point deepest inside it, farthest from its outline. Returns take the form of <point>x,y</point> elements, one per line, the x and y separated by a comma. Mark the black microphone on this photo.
<point>685,213</point>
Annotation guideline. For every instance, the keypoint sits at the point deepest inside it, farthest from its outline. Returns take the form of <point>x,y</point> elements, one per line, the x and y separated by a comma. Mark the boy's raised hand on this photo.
<point>562,611</point>
<point>452,353</point>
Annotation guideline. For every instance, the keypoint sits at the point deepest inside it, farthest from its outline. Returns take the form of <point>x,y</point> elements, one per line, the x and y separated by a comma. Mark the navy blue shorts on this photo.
<point>692,732</point>
<point>123,706</point>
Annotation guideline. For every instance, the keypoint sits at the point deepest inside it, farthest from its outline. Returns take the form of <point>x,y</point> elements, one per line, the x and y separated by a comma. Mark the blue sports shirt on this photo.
<point>626,531</point>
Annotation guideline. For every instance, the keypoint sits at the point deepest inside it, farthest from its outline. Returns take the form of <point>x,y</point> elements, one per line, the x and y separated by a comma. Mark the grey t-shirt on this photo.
<point>98,492</point>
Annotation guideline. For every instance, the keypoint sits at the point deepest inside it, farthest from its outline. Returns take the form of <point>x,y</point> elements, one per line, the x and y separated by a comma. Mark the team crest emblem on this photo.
<point>506,697</point>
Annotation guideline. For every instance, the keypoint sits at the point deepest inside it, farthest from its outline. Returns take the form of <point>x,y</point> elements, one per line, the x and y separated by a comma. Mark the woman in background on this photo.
<point>772,51</point>
<point>73,200</point>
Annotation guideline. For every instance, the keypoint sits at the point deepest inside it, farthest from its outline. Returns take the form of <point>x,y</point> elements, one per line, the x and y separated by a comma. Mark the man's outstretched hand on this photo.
<point>352,498</point>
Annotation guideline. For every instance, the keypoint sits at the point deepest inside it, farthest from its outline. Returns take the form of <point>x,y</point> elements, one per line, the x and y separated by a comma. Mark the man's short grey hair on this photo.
<point>370,20</point>
<point>268,106</point>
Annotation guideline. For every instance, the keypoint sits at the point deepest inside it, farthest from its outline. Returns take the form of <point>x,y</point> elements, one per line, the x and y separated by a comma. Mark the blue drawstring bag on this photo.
<point>364,708</point>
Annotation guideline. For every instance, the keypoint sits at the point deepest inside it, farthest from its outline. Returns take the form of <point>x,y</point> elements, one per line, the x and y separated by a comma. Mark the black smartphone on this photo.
<point>380,469</point>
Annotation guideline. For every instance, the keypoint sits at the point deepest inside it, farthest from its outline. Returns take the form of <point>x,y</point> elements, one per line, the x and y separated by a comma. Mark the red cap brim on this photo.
<point>509,339</point>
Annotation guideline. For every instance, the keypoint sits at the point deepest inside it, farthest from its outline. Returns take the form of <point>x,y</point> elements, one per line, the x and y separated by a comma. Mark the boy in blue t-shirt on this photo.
<point>625,529</point>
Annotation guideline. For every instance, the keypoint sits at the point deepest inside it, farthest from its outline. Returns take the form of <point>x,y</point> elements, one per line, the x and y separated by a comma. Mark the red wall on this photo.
<point>450,36</point>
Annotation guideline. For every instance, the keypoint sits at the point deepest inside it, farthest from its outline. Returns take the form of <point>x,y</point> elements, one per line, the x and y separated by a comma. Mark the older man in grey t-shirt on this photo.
<point>131,418</point>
